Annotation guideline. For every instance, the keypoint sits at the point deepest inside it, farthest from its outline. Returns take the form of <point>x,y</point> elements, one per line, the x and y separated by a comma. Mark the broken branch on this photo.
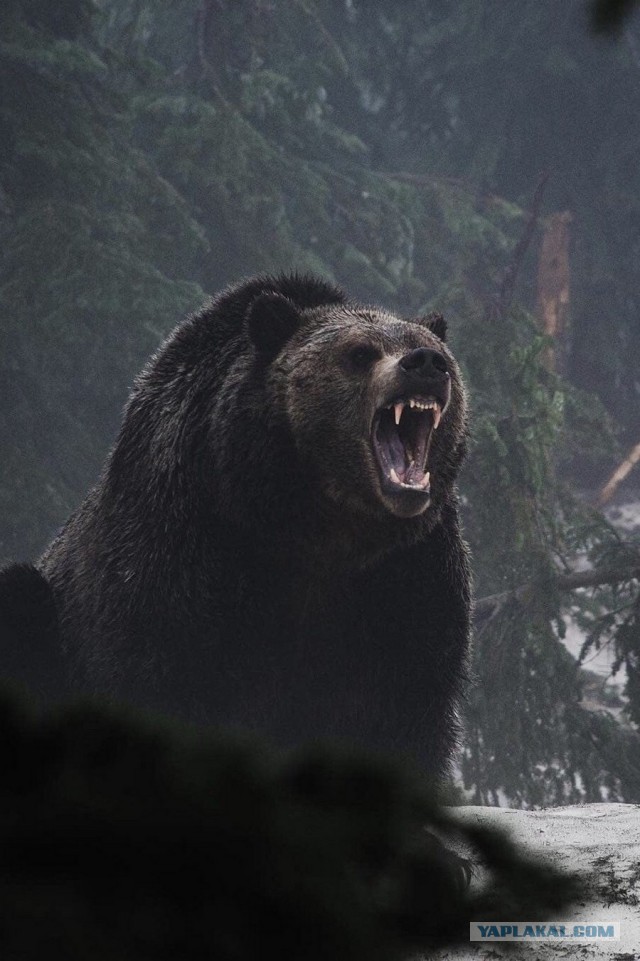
<point>504,295</point>
<point>618,476</point>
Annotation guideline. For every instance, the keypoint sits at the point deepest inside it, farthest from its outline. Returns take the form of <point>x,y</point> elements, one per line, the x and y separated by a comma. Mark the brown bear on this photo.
<point>274,541</point>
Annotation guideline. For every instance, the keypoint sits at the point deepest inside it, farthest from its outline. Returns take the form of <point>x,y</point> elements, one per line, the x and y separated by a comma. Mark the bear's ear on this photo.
<point>436,324</point>
<point>271,320</point>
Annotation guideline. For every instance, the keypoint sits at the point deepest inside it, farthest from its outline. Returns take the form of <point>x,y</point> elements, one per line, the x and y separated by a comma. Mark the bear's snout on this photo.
<point>423,371</point>
<point>424,361</point>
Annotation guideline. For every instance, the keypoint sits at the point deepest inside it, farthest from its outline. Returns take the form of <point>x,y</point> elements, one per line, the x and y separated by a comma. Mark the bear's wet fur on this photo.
<point>260,550</point>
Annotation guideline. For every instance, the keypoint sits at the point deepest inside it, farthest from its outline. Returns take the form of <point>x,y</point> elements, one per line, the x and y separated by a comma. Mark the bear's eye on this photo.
<point>363,356</point>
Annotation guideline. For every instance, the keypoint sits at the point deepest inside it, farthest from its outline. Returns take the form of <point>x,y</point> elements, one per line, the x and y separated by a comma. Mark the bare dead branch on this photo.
<point>619,474</point>
<point>329,40</point>
<point>504,295</point>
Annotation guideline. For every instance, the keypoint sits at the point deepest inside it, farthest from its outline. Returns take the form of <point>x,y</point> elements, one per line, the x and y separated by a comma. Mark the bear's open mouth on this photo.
<point>402,434</point>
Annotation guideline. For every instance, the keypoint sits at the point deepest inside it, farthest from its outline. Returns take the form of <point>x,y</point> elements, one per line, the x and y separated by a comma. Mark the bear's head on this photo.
<point>375,404</point>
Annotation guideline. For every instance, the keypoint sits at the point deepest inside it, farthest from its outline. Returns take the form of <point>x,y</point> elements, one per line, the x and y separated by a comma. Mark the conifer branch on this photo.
<point>486,608</point>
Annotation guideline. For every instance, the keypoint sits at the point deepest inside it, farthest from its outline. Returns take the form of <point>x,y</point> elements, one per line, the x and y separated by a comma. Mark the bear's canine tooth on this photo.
<point>394,477</point>
<point>425,480</point>
<point>398,408</point>
<point>437,414</point>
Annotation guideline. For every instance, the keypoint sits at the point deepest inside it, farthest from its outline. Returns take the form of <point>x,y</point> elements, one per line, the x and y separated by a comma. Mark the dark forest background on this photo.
<point>476,158</point>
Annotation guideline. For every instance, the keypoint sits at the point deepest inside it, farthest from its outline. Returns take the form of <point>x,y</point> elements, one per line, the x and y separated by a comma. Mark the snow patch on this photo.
<point>600,842</point>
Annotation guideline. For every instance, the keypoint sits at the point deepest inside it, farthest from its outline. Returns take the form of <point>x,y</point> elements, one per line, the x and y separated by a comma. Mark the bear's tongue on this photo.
<point>402,438</point>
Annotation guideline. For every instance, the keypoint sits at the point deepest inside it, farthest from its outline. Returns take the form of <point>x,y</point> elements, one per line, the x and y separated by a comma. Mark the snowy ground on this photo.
<point>600,842</point>
<point>625,515</point>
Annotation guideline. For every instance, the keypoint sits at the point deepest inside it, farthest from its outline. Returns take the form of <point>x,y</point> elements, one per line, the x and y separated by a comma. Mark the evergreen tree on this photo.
<point>88,280</point>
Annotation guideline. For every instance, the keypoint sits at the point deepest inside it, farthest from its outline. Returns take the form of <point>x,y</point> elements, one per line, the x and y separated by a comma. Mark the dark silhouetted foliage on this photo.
<point>123,837</point>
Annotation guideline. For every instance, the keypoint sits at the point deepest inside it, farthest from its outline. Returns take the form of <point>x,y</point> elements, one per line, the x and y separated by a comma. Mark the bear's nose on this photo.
<point>424,361</point>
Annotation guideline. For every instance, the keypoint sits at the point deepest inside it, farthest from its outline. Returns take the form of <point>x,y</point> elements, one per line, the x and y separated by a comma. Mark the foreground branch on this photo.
<point>486,608</point>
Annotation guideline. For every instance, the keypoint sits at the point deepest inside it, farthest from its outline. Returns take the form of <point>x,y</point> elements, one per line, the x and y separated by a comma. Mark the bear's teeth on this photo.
<point>394,477</point>
<point>425,481</point>
<point>398,408</point>
<point>437,414</point>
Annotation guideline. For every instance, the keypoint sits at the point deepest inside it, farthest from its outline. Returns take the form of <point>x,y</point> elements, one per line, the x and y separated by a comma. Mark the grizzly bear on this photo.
<point>274,542</point>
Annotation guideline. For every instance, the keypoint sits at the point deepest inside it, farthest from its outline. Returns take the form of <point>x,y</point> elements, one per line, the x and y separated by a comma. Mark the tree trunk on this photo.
<point>552,305</point>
